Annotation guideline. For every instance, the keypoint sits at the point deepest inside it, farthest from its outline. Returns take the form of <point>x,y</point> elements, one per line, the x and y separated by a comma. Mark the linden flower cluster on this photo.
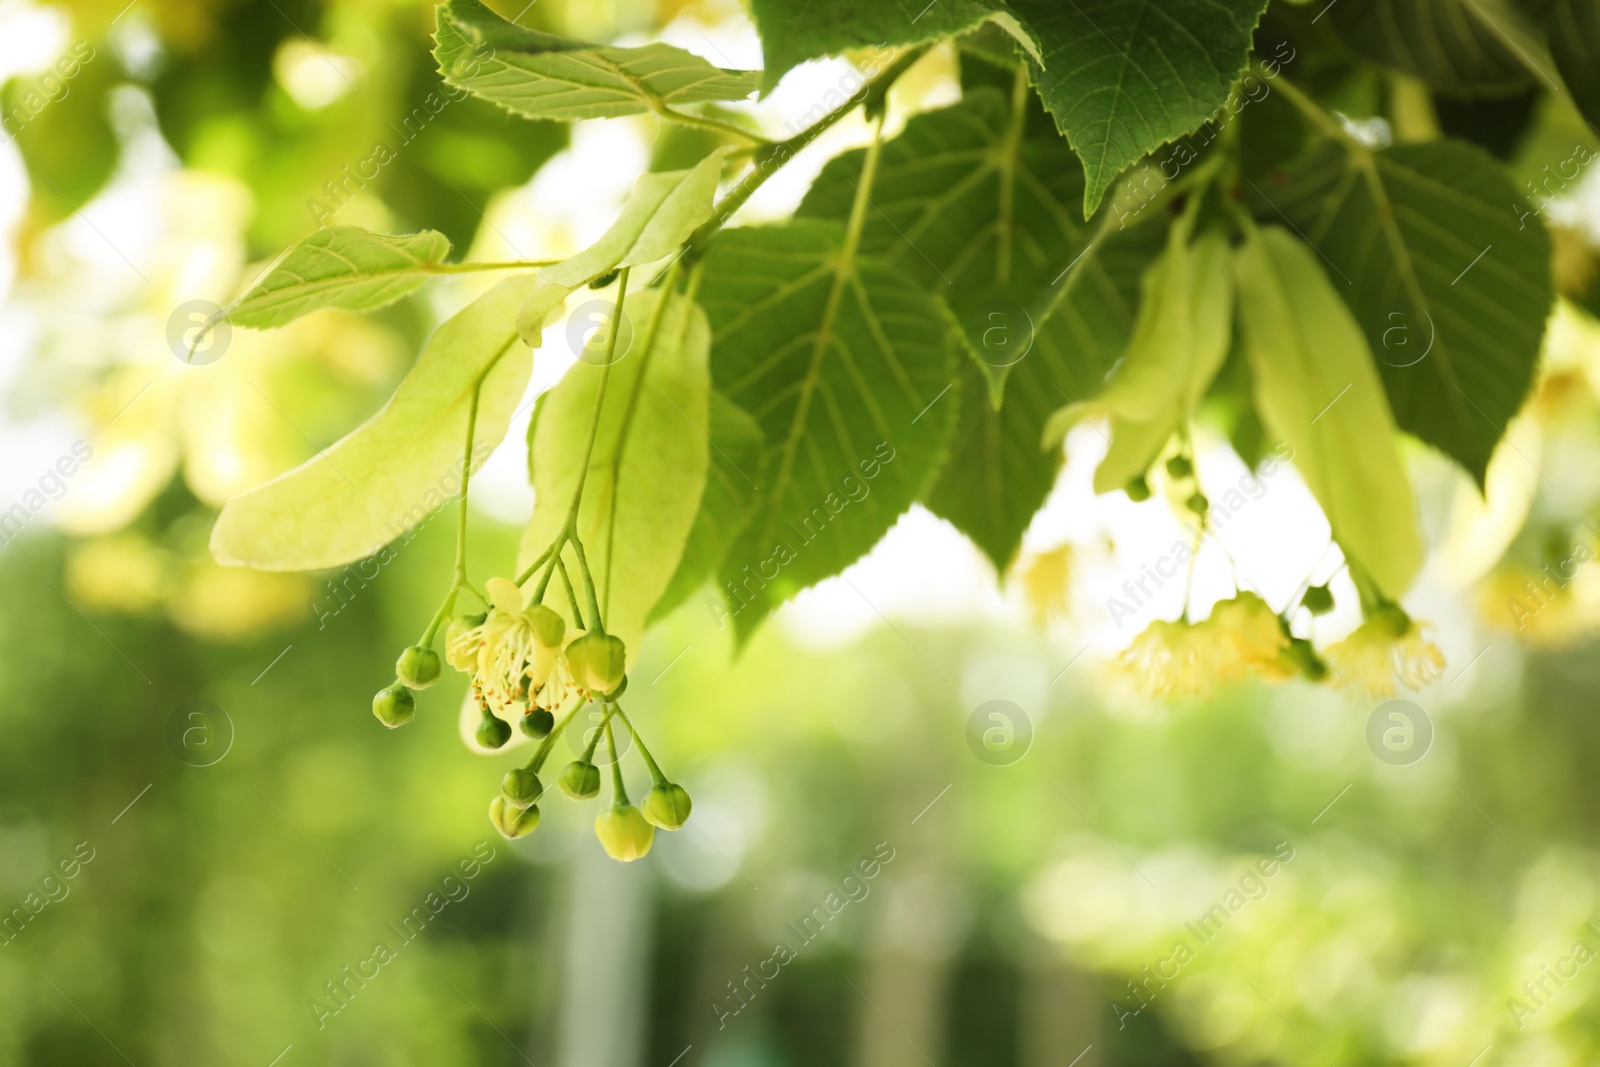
<point>525,665</point>
<point>1243,636</point>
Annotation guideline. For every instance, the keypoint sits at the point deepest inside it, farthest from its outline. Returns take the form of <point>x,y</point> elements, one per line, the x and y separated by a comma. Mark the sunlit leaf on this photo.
<point>840,360</point>
<point>1318,390</point>
<point>1450,44</point>
<point>340,267</point>
<point>659,215</point>
<point>399,466</point>
<point>648,470</point>
<point>544,76</point>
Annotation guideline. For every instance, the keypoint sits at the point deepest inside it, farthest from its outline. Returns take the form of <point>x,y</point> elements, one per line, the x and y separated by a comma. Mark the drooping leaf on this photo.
<point>659,215</point>
<point>840,359</point>
<point>399,466</point>
<point>340,267</point>
<point>725,506</point>
<point>1424,243</point>
<point>545,76</point>
<point>978,202</point>
<point>1449,44</point>
<point>648,469</point>
<point>1123,77</point>
<point>1178,345</point>
<point>793,31</point>
<point>1318,389</point>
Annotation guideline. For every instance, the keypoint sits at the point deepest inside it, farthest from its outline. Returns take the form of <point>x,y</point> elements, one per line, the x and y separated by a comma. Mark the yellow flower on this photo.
<point>1242,636</point>
<point>1171,659</point>
<point>1249,634</point>
<point>513,654</point>
<point>1388,646</point>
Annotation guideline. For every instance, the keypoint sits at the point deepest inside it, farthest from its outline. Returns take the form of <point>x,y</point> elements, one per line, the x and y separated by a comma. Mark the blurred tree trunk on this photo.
<point>603,994</point>
<point>1062,1011</point>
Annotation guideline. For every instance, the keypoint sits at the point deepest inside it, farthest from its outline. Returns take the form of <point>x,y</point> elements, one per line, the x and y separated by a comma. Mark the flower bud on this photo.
<point>597,661</point>
<point>623,832</point>
<point>418,667</point>
<point>1137,489</point>
<point>1318,600</point>
<point>511,821</point>
<point>1180,467</point>
<point>493,731</point>
<point>521,786</point>
<point>1198,504</point>
<point>537,723</point>
<point>548,626</point>
<point>580,780</point>
<point>1303,657</point>
<point>667,806</point>
<point>394,705</point>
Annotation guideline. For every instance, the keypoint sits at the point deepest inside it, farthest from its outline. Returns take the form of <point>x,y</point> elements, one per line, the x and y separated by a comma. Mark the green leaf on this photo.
<point>1123,77</point>
<point>725,507</point>
<point>840,359</point>
<point>543,76</point>
<point>1177,348</point>
<point>1452,288</point>
<point>647,472</point>
<point>978,202</point>
<point>793,31</point>
<point>1447,43</point>
<point>1573,29</point>
<point>340,267</point>
<point>659,215</point>
<point>401,465</point>
<point>1317,389</point>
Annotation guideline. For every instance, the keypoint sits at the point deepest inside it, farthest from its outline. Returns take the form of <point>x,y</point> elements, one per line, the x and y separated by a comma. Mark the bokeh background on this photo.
<point>205,837</point>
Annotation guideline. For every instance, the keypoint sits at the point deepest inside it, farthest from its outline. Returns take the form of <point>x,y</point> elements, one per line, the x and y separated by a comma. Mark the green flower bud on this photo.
<point>619,690</point>
<point>580,780</point>
<point>667,806</point>
<point>1392,618</point>
<point>394,705</point>
<point>493,731</point>
<point>521,786</point>
<point>1303,657</point>
<point>548,627</point>
<point>1180,467</point>
<point>597,661</point>
<point>511,821</point>
<point>418,667</point>
<point>623,832</point>
<point>1137,489</point>
<point>1198,504</point>
<point>1318,600</point>
<point>537,723</point>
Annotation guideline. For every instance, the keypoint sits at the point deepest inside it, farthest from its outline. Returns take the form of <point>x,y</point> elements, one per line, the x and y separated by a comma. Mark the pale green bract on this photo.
<point>544,76</point>
<point>648,470</point>
<point>340,267</point>
<point>401,465</point>
<point>659,215</point>
<point>1317,389</point>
